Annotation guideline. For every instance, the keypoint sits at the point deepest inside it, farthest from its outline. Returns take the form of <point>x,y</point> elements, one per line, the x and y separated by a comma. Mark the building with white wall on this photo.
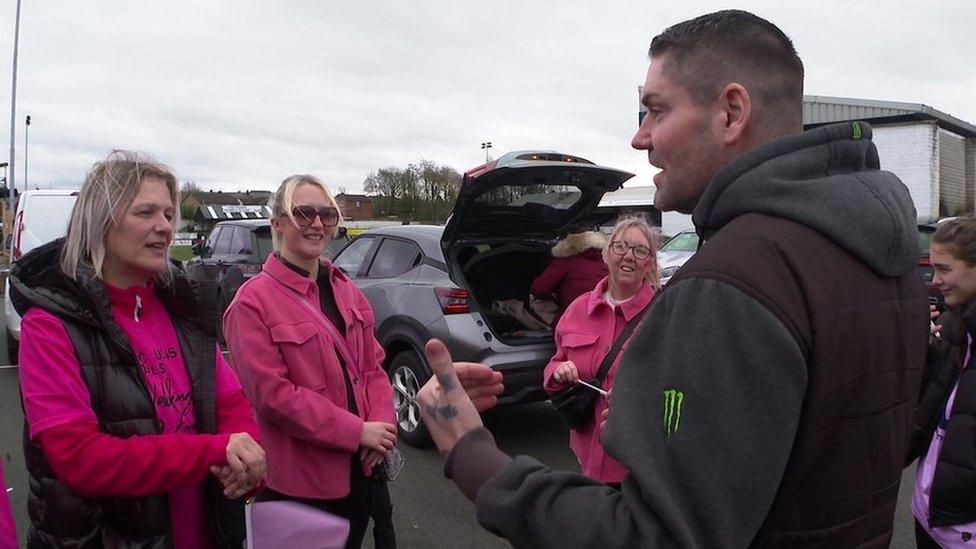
<point>932,152</point>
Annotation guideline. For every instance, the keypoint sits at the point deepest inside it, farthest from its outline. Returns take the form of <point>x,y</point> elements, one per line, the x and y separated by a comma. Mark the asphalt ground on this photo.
<point>429,512</point>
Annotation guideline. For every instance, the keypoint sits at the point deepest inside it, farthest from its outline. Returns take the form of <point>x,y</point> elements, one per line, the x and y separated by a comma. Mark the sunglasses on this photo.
<point>620,248</point>
<point>305,216</point>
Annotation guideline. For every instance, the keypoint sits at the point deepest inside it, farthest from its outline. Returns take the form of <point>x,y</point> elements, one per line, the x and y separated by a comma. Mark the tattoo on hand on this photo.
<point>447,411</point>
<point>447,383</point>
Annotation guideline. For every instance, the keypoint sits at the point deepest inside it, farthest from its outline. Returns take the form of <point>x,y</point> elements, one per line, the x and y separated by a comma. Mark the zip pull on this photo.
<point>138,308</point>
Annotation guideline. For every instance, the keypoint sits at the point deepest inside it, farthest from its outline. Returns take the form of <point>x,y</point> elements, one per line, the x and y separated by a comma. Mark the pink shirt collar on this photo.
<point>630,308</point>
<point>302,284</point>
<point>126,299</point>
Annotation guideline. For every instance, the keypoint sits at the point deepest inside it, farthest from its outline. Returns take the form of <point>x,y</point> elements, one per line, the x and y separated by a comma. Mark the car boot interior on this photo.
<point>502,272</point>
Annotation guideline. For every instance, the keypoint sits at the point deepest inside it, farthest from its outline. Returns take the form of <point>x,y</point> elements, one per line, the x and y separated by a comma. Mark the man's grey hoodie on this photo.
<point>721,391</point>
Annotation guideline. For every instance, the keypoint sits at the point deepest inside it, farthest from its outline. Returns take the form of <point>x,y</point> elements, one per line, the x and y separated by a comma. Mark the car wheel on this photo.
<point>12,348</point>
<point>408,375</point>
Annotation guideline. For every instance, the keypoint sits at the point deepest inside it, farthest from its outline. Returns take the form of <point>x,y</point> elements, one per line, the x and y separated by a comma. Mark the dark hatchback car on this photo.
<point>425,282</point>
<point>235,251</point>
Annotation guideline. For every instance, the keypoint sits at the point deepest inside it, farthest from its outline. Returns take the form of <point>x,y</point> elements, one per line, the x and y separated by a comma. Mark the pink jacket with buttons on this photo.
<point>584,335</point>
<point>288,366</point>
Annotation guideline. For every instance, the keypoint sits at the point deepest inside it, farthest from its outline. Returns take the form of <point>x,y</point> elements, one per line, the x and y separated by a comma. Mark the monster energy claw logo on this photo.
<point>673,399</point>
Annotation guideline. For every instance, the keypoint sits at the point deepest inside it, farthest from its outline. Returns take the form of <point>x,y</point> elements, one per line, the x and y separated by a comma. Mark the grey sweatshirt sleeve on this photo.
<point>704,411</point>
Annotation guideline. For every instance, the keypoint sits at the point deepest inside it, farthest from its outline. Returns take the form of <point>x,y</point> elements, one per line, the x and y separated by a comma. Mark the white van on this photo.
<point>41,217</point>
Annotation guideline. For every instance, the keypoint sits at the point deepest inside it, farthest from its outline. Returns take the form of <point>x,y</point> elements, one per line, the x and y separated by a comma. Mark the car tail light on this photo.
<point>18,230</point>
<point>453,300</point>
<point>250,269</point>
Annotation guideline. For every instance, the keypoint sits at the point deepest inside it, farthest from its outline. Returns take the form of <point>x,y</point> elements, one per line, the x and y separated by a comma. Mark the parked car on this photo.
<point>235,251</point>
<point>428,282</point>
<point>675,252</point>
<point>42,216</point>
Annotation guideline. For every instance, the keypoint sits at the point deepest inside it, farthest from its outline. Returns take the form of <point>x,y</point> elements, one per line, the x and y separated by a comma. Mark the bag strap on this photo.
<point>621,339</point>
<point>338,340</point>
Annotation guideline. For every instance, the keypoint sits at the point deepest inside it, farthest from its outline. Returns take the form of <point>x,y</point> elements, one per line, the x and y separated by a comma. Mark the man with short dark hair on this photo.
<point>767,398</point>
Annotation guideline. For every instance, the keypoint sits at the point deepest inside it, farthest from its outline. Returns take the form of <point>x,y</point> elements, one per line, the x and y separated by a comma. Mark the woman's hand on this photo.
<point>371,457</point>
<point>246,466</point>
<point>234,487</point>
<point>246,457</point>
<point>566,373</point>
<point>934,314</point>
<point>378,436</point>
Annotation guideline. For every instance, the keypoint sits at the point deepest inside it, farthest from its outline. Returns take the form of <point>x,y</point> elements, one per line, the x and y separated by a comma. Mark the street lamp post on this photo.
<point>26,131</point>
<point>13,104</point>
<point>5,214</point>
<point>486,145</point>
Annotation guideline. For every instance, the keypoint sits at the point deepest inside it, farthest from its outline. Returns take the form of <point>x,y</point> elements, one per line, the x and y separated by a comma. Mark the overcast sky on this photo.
<point>239,94</point>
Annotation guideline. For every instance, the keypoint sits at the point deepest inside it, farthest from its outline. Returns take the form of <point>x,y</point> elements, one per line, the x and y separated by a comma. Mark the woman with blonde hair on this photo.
<point>301,339</point>
<point>130,408</point>
<point>590,327</point>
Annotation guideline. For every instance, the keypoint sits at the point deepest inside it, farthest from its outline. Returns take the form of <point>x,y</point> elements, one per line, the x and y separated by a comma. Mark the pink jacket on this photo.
<point>288,366</point>
<point>584,335</point>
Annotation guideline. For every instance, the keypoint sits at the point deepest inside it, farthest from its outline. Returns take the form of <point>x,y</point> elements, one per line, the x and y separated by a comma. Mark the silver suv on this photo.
<point>427,281</point>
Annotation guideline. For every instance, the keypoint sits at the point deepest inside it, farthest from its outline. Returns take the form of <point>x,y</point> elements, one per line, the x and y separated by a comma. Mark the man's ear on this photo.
<point>736,106</point>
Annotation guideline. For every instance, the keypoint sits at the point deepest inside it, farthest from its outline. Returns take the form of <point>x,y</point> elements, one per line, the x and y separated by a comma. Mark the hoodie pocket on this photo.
<point>300,347</point>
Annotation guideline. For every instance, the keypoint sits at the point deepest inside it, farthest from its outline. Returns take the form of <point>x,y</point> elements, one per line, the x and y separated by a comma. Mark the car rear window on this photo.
<point>560,197</point>
<point>517,209</point>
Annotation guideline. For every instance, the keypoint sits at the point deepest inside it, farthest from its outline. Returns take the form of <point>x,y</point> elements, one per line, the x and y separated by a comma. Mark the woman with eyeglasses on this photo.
<point>301,339</point>
<point>588,329</point>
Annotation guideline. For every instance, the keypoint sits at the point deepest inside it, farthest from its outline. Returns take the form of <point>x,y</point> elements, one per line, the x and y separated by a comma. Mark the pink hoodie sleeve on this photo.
<point>296,410</point>
<point>51,385</point>
<point>95,464</point>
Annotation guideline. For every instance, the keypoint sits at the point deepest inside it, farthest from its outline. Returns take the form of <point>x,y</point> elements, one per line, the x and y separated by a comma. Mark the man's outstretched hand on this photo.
<point>451,400</point>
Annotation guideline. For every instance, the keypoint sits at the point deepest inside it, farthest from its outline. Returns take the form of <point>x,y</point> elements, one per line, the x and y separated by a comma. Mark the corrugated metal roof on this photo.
<point>820,109</point>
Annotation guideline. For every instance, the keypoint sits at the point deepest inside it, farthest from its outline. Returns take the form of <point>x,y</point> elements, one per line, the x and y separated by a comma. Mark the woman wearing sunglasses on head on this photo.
<point>592,323</point>
<point>301,338</point>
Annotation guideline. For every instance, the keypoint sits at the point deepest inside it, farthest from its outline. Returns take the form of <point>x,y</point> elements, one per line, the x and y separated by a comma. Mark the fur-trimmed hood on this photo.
<point>577,243</point>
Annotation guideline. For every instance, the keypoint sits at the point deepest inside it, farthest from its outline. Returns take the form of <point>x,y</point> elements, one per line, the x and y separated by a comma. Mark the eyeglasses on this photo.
<point>620,248</point>
<point>305,216</point>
